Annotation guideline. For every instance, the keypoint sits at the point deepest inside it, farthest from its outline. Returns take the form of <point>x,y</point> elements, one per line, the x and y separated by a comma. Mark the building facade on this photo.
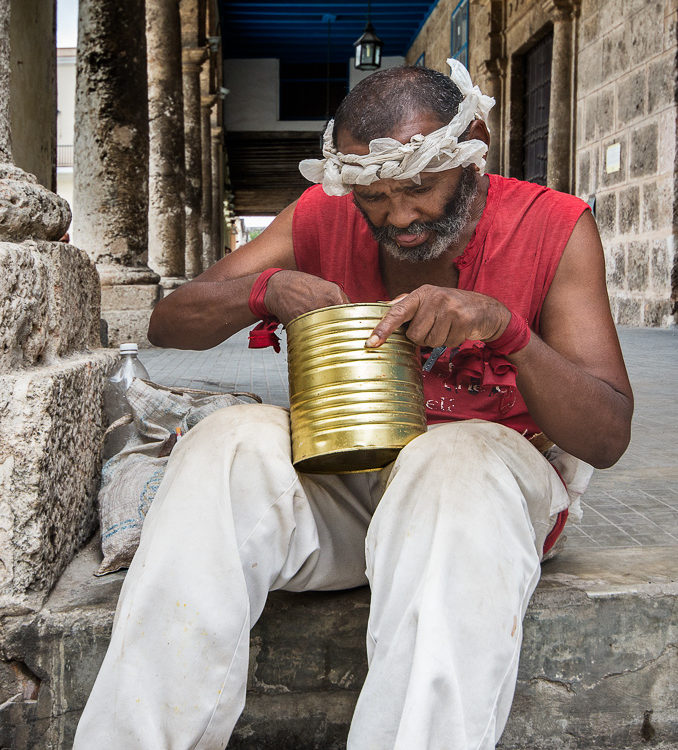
<point>586,103</point>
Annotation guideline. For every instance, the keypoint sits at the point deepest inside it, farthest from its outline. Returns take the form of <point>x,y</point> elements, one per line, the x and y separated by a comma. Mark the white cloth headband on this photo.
<point>388,158</point>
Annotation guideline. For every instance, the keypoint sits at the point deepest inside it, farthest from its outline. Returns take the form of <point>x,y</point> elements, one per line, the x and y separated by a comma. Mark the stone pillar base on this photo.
<point>50,450</point>
<point>127,308</point>
<point>169,283</point>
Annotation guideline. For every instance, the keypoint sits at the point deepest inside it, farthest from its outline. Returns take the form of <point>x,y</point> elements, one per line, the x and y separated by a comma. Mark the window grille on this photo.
<point>64,155</point>
<point>459,45</point>
<point>537,94</point>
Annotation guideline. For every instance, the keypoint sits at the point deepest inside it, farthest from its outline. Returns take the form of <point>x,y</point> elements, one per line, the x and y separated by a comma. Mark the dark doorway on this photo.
<point>264,168</point>
<point>537,92</point>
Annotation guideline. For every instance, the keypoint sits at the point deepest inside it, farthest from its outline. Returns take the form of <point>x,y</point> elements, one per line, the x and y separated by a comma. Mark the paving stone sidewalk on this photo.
<point>634,504</point>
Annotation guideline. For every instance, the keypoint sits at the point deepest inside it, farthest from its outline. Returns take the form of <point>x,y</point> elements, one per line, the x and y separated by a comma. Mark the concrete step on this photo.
<point>599,664</point>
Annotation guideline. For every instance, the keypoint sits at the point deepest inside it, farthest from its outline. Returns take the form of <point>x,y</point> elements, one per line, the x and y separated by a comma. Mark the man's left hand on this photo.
<point>440,316</point>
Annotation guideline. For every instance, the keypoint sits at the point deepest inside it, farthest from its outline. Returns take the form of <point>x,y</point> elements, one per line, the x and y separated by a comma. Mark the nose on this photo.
<point>401,213</point>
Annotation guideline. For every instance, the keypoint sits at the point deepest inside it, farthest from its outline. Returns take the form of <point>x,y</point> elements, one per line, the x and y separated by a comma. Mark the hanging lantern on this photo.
<point>368,47</point>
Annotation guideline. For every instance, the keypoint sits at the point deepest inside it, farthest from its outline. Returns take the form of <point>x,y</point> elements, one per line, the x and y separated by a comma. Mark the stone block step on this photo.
<point>599,664</point>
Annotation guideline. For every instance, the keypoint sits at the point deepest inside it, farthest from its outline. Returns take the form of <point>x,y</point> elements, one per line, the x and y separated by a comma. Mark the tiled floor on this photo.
<point>636,502</point>
<point>231,366</point>
<point>633,504</point>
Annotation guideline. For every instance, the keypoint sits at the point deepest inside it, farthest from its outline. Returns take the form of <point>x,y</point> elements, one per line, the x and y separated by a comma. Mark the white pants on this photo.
<point>449,538</point>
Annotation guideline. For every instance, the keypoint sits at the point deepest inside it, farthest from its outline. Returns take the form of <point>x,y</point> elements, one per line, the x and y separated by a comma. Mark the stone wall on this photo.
<point>434,38</point>
<point>621,55</point>
<point>626,95</point>
<point>51,375</point>
<point>51,386</point>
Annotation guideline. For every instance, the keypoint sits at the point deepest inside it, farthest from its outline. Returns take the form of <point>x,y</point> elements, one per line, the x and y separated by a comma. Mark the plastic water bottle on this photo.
<point>115,398</point>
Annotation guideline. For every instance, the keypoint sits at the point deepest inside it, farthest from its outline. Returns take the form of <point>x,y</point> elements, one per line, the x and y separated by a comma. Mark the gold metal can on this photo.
<point>351,408</point>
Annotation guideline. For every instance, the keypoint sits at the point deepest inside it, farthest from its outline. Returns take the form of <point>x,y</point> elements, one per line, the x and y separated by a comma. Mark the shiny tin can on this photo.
<point>351,408</point>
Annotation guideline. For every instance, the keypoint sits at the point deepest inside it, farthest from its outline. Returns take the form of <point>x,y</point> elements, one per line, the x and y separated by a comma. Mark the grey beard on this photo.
<point>446,231</point>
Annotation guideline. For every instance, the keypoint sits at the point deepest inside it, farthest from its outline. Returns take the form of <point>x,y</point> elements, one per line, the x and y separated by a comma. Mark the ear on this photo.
<point>478,130</point>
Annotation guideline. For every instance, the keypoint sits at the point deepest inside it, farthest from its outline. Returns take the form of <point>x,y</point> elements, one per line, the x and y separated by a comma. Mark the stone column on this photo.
<point>562,106</point>
<point>166,172</point>
<point>493,72</point>
<point>218,152</point>
<point>206,104</point>
<point>33,75</point>
<point>51,380</point>
<point>111,161</point>
<point>192,59</point>
<point>217,191</point>
<point>5,140</point>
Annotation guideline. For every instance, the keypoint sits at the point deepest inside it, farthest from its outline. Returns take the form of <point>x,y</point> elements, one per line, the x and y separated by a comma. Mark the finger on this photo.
<point>440,332</point>
<point>424,328</point>
<point>397,299</point>
<point>399,313</point>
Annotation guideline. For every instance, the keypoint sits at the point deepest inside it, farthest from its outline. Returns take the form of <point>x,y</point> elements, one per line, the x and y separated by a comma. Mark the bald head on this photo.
<point>376,105</point>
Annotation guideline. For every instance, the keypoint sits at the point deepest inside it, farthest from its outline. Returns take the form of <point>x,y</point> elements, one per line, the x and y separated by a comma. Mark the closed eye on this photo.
<point>419,190</point>
<point>370,198</point>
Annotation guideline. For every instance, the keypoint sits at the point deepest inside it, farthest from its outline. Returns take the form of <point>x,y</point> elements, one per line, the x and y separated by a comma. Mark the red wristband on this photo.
<point>263,335</point>
<point>258,292</point>
<point>514,338</point>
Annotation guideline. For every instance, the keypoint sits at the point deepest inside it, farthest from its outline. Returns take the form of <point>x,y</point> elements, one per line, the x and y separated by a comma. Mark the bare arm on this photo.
<point>207,310</point>
<point>573,380</point>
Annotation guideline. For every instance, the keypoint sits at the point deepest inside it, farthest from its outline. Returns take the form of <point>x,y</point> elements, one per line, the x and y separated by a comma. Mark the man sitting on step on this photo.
<point>450,536</point>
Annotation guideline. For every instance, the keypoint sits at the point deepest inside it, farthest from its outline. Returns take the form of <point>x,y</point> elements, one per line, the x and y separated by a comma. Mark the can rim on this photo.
<point>337,307</point>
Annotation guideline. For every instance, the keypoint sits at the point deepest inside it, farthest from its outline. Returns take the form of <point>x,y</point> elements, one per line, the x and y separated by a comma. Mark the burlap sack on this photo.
<point>130,479</point>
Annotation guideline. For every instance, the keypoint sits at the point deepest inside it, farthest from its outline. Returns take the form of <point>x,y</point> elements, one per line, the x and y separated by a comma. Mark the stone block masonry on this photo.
<point>51,376</point>
<point>611,125</point>
<point>626,83</point>
<point>50,433</point>
<point>44,287</point>
<point>51,384</point>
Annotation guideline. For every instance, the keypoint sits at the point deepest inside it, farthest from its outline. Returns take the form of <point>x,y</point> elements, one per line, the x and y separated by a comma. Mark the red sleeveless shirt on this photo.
<point>512,256</point>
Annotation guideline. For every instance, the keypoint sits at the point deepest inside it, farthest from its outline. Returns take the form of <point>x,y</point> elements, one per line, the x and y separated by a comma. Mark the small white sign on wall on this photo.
<point>613,158</point>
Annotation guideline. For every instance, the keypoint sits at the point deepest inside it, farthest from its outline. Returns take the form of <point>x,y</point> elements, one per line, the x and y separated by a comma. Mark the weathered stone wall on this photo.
<point>624,54</point>
<point>44,287</point>
<point>51,381</point>
<point>485,62</point>
<point>434,38</point>
<point>50,431</point>
<point>626,95</point>
<point>51,386</point>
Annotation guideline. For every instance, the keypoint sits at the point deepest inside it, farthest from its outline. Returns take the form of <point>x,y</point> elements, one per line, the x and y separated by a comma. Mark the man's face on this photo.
<point>415,222</point>
<point>421,239</point>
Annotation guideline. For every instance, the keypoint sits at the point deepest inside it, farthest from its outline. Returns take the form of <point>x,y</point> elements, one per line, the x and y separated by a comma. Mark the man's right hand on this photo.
<point>292,293</point>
